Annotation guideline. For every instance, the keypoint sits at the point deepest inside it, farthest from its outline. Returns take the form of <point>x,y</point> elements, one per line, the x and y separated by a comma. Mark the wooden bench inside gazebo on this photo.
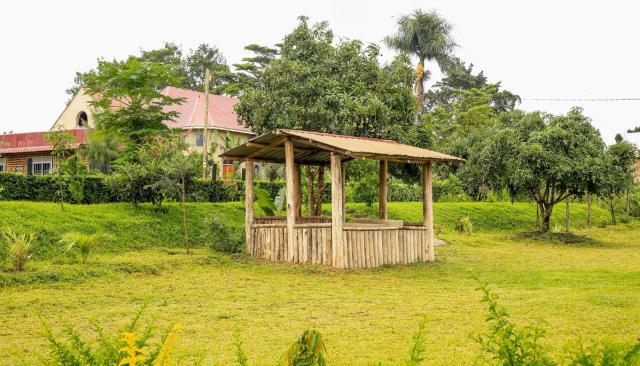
<point>330,240</point>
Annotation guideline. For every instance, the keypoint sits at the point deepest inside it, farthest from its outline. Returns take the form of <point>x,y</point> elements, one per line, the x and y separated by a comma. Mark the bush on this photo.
<point>602,223</point>
<point>115,188</point>
<point>226,238</point>
<point>85,243</point>
<point>464,225</point>
<point>20,246</point>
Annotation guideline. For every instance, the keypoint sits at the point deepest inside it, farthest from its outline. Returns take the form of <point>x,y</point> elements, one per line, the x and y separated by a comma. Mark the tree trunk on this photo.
<point>589,210</point>
<point>184,217</point>
<point>317,207</point>
<point>546,217</point>
<point>315,191</point>
<point>628,206</point>
<point>613,213</point>
<point>537,216</point>
<point>568,215</point>
<point>419,86</point>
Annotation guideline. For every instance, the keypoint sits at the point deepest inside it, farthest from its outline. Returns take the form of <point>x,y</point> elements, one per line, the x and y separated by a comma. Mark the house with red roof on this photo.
<point>223,121</point>
<point>31,153</point>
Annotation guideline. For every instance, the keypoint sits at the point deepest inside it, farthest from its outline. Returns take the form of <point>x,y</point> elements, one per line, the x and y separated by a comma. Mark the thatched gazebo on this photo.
<point>330,240</point>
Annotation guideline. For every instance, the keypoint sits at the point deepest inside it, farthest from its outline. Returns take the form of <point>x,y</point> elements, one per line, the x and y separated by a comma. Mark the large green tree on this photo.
<point>128,98</point>
<point>618,174</point>
<point>427,36</point>
<point>315,84</point>
<point>188,68</point>
<point>548,157</point>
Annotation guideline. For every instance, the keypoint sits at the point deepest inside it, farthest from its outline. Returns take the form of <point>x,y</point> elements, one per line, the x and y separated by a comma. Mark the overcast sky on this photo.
<point>537,49</point>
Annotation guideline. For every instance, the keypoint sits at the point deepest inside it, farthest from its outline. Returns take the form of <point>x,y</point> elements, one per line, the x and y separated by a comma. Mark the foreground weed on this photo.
<point>20,247</point>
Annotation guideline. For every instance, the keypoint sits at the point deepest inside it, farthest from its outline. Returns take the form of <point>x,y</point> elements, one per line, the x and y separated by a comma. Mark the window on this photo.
<point>83,119</point>
<point>41,165</point>
<point>199,139</point>
<point>3,163</point>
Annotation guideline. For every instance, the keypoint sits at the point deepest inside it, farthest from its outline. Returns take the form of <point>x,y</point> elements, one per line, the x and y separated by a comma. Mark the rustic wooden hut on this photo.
<point>331,240</point>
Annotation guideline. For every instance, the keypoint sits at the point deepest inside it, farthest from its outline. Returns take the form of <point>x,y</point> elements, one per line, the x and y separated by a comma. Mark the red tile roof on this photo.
<point>221,112</point>
<point>13,143</point>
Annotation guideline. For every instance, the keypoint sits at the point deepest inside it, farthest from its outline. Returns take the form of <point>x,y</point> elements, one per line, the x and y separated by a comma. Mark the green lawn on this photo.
<point>588,289</point>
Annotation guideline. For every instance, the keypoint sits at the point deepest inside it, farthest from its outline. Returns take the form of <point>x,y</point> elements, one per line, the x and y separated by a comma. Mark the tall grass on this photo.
<point>20,247</point>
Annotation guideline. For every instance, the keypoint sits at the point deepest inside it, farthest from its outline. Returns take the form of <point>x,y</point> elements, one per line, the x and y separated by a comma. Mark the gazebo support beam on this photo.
<point>289,169</point>
<point>427,207</point>
<point>248,196</point>
<point>382,198</point>
<point>337,209</point>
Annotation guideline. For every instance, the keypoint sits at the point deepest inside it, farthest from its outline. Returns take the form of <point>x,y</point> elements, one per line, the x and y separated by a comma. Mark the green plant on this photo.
<point>241,355</point>
<point>84,242</point>
<point>281,199</point>
<point>507,344</point>
<point>418,349</point>
<point>437,229</point>
<point>607,353</point>
<point>308,350</point>
<point>264,201</point>
<point>20,247</point>
<point>226,238</point>
<point>124,348</point>
<point>464,225</point>
<point>602,223</point>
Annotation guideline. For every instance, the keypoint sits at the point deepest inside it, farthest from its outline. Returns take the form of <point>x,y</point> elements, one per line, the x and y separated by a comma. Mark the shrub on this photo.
<point>125,349</point>
<point>85,243</point>
<point>602,223</point>
<point>464,225</point>
<point>437,229</point>
<point>20,247</point>
<point>226,238</point>
<point>308,349</point>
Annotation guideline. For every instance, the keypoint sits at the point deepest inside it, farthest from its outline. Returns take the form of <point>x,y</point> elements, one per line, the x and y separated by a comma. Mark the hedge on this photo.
<point>21,187</point>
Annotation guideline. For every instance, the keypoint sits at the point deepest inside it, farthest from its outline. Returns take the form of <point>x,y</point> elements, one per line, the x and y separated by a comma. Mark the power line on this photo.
<point>582,99</point>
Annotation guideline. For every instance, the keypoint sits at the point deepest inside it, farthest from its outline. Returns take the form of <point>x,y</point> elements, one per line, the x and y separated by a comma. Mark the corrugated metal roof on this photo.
<point>316,147</point>
<point>13,143</point>
<point>221,112</point>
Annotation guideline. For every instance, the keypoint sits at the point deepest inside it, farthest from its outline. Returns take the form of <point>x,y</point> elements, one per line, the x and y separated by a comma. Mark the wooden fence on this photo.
<point>365,245</point>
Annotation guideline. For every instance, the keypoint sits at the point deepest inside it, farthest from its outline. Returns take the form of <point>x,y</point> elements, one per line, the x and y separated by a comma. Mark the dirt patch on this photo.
<point>557,238</point>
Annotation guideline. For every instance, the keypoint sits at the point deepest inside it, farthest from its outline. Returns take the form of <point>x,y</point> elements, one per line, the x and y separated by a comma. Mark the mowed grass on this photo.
<point>588,289</point>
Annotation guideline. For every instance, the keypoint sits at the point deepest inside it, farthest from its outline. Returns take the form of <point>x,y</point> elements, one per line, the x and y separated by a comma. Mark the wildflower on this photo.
<point>133,354</point>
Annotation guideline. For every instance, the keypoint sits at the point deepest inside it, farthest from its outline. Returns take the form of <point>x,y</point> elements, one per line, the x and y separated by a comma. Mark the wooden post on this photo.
<point>248,204</point>
<point>297,181</point>
<point>344,184</point>
<point>382,200</point>
<point>289,169</point>
<point>427,207</point>
<point>337,211</point>
<point>205,133</point>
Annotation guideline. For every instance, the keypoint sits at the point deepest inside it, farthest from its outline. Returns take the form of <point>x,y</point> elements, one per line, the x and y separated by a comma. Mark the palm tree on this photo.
<point>427,36</point>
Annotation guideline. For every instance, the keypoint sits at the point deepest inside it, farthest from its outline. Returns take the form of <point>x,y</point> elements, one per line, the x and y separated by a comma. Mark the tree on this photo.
<point>101,150</point>
<point>318,86</point>
<point>427,36</point>
<point>458,77</point>
<point>208,57</point>
<point>187,68</point>
<point>634,130</point>
<point>128,98</point>
<point>548,157</point>
<point>248,72</point>
<point>178,172</point>
<point>61,142</point>
<point>618,174</point>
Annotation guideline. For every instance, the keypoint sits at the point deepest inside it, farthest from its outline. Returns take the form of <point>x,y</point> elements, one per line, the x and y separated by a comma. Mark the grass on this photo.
<point>588,289</point>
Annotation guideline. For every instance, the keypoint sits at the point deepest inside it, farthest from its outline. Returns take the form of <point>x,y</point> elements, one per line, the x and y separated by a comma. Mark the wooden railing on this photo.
<point>367,243</point>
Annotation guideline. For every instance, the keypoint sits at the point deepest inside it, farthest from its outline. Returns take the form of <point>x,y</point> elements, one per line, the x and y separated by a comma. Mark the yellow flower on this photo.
<point>167,347</point>
<point>133,354</point>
